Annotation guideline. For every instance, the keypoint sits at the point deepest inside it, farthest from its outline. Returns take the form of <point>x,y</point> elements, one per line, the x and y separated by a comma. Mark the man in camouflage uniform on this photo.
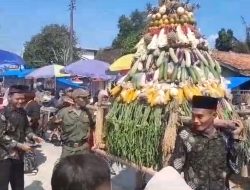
<point>14,128</point>
<point>207,155</point>
<point>76,122</point>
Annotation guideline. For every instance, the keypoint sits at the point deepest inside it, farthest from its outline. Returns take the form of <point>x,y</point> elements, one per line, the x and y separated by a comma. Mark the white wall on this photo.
<point>88,55</point>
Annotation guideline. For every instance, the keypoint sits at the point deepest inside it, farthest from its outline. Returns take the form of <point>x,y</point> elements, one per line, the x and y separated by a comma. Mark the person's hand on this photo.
<point>38,139</point>
<point>222,124</point>
<point>25,148</point>
<point>239,128</point>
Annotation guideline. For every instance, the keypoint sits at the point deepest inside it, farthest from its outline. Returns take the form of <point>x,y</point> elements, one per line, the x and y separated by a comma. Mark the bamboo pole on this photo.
<point>149,171</point>
<point>98,138</point>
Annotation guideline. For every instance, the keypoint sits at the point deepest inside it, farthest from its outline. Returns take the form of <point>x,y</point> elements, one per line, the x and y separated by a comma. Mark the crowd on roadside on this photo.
<point>206,153</point>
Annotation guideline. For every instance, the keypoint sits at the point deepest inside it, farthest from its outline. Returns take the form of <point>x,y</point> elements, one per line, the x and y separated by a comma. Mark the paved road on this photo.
<point>47,156</point>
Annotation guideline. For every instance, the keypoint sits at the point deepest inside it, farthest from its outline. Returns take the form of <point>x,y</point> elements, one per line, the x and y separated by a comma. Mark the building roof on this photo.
<point>237,62</point>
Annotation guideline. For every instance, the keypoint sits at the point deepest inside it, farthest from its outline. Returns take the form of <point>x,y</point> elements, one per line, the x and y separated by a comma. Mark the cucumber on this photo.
<point>192,74</point>
<point>206,72</point>
<point>216,75</point>
<point>217,66</point>
<point>198,77</point>
<point>166,67</point>
<point>162,70</point>
<point>209,58</point>
<point>186,77</point>
<point>174,75</point>
<point>179,74</point>
<point>183,74</point>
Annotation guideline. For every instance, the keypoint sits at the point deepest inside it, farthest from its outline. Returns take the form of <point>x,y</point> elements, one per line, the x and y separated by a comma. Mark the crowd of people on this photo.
<point>206,153</point>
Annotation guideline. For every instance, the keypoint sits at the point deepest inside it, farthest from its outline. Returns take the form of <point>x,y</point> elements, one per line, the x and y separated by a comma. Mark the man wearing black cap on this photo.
<point>207,155</point>
<point>14,128</point>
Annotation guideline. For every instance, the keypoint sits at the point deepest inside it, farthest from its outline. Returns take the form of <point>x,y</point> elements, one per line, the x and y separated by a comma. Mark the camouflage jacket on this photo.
<point>206,163</point>
<point>14,127</point>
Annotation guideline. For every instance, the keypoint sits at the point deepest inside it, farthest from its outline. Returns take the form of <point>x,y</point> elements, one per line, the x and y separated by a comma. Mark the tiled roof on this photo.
<point>235,61</point>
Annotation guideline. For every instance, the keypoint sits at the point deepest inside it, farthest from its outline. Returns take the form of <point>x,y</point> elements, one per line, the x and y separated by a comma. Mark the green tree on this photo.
<point>51,45</point>
<point>225,40</point>
<point>241,47</point>
<point>131,29</point>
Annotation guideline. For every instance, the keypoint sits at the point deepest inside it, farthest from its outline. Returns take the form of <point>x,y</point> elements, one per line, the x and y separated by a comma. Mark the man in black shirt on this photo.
<point>33,111</point>
<point>14,128</point>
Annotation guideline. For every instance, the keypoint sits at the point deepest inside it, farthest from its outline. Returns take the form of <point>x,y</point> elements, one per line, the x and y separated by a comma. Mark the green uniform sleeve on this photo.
<point>60,113</point>
<point>178,158</point>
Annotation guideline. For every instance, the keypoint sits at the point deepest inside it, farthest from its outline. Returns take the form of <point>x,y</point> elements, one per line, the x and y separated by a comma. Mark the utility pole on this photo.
<point>72,7</point>
<point>247,30</point>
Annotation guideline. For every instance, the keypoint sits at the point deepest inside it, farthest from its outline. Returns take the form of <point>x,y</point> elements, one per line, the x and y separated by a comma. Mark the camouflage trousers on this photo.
<point>68,151</point>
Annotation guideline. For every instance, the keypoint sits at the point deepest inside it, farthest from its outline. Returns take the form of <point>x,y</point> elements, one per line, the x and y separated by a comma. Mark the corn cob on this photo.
<point>167,97</point>
<point>201,57</point>
<point>172,55</point>
<point>180,96</point>
<point>188,93</point>
<point>116,90</point>
<point>160,59</point>
<point>196,91</point>
<point>188,58</point>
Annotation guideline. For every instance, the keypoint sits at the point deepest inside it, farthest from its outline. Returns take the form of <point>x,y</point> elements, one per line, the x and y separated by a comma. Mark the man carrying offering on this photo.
<point>207,154</point>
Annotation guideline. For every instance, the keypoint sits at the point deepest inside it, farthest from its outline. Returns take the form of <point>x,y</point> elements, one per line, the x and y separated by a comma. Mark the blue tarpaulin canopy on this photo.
<point>237,81</point>
<point>9,58</point>
<point>16,73</point>
<point>65,82</point>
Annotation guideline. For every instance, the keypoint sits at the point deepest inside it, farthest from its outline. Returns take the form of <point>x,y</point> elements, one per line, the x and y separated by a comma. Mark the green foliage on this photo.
<point>227,42</point>
<point>131,29</point>
<point>129,43</point>
<point>224,42</point>
<point>51,45</point>
<point>241,47</point>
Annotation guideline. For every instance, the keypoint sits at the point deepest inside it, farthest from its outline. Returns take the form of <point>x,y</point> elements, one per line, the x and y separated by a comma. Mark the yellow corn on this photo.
<point>116,90</point>
<point>196,91</point>
<point>221,90</point>
<point>180,96</point>
<point>167,97</point>
<point>124,94</point>
<point>130,96</point>
<point>135,95</point>
<point>188,93</point>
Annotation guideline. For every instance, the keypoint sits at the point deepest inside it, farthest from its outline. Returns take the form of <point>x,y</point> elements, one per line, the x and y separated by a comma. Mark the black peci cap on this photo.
<point>204,102</point>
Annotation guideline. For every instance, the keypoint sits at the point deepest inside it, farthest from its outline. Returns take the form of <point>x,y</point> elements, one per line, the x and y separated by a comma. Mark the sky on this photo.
<point>96,20</point>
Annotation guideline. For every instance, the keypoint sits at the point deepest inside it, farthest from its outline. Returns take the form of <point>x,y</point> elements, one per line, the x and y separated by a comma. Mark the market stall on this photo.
<point>93,71</point>
<point>48,74</point>
<point>171,65</point>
